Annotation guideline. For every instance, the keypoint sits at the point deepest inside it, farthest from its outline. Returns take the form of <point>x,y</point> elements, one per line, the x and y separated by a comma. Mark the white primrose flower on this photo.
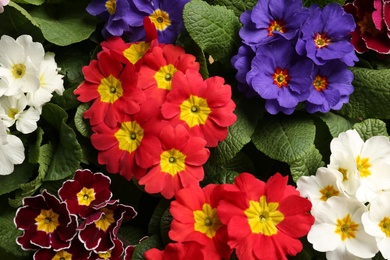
<point>365,165</point>
<point>19,63</point>
<point>11,151</point>
<point>376,222</point>
<point>50,81</point>
<point>14,109</point>
<point>320,187</point>
<point>339,232</point>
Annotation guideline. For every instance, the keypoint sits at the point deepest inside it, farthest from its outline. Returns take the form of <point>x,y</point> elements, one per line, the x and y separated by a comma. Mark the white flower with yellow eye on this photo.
<point>11,151</point>
<point>19,63</point>
<point>339,232</point>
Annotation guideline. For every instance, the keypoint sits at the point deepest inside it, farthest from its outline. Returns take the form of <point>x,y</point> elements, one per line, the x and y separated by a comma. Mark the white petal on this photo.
<point>27,121</point>
<point>323,237</point>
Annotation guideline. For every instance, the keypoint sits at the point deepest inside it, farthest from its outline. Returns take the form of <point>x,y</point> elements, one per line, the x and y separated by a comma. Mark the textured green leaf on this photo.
<point>213,28</point>
<point>33,153</point>
<point>154,223</point>
<point>165,226</point>
<point>217,173</point>
<point>16,21</point>
<point>145,245</point>
<point>21,174</point>
<point>67,151</point>
<point>371,127</point>
<point>308,3</point>
<point>248,113</point>
<point>65,23</point>
<point>8,235</point>
<point>130,235</point>
<point>371,94</point>
<point>307,164</point>
<point>284,138</point>
<point>237,6</point>
<point>81,124</point>
<point>337,124</point>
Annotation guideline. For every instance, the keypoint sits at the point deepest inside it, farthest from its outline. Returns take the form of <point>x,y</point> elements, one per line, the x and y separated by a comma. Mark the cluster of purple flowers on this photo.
<point>125,18</point>
<point>291,54</point>
<point>84,224</point>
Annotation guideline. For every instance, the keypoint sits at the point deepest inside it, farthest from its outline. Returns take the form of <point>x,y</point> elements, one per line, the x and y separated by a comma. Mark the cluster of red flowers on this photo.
<point>83,225</point>
<point>152,114</point>
<point>259,220</point>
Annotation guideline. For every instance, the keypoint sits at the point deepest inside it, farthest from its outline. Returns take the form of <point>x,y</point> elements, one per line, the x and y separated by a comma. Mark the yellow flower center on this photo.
<point>111,6</point>
<point>276,25</point>
<point>207,221</point>
<point>129,136</point>
<point>12,112</point>
<point>346,228</point>
<point>160,19</point>
<point>363,165</point>
<point>194,111</point>
<point>164,76</point>
<point>320,83</point>
<point>263,217</point>
<point>321,40</point>
<point>62,255</point>
<point>105,255</point>
<point>172,161</point>
<point>105,220</point>
<point>385,226</point>
<point>344,172</point>
<point>281,77</point>
<point>47,221</point>
<point>136,51</point>
<point>18,70</point>
<point>327,192</point>
<point>85,196</point>
<point>110,89</point>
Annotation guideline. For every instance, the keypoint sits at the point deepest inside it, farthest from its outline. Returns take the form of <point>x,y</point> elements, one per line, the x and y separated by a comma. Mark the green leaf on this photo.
<point>371,94</point>
<point>145,245</point>
<point>9,233</point>
<point>322,3</point>
<point>237,6</point>
<point>154,223</point>
<point>248,113</point>
<point>165,226</point>
<point>67,151</point>
<point>34,148</point>
<point>218,174</point>
<point>21,174</point>
<point>65,23</point>
<point>371,127</point>
<point>337,124</point>
<point>284,138</point>
<point>130,235</point>
<point>81,124</point>
<point>213,28</point>
<point>307,164</point>
<point>16,21</point>
<point>31,2</point>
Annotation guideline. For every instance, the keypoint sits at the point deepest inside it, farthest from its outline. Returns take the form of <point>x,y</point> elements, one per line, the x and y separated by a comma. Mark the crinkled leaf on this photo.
<point>337,124</point>
<point>68,100</point>
<point>8,235</point>
<point>33,152</point>
<point>371,94</point>
<point>213,28</point>
<point>145,245</point>
<point>154,223</point>
<point>65,23</point>
<point>237,6</point>
<point>131,235</point>
<point>67,150</point>
<point>217,173</point>
<point>371,127</point>
<point>284,138</point>
<point>165,226</point>
<point>248,113</point>
<point>16,21</point>
<point>21,174</point>
<point>307,164</point>
<point>308,3</point>
<point>81,124</point>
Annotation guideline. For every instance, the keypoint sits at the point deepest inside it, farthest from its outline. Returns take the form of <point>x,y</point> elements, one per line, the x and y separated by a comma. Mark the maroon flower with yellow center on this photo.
<point>86,192</point>
<point>75,251</point>
<point>112,88</point>
<point>46,223</point>
<point>99,231</point>
<point>195,218</point>
<point>112,254</point>
<point>264,220</point>
<point>158,68</point>
<point>179,164</point>
<point>204,107</point>
<point>129,148</point>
